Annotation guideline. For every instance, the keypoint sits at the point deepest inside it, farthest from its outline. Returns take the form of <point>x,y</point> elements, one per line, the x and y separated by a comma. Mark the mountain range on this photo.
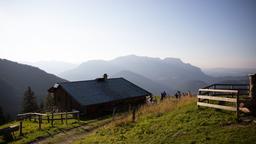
<point>222,72</point>
<point>153,74</point>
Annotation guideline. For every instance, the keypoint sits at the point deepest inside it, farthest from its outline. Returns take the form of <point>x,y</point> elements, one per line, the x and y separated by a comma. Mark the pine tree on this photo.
<point>41,106</point>
<point>49,102</point>
<point>29,101</point>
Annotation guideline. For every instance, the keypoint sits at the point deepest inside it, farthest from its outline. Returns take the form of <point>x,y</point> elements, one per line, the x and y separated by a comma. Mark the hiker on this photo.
<point>176,95</point>
<point>150,100</point>
<point>189,93</point>
<point>179,94</point>
<point>163,95</point>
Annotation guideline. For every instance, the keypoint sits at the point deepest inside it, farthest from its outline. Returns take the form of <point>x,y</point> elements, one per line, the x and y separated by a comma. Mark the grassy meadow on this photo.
<point>175,121</point>
<point>31,132</point>
<point>168,121</point>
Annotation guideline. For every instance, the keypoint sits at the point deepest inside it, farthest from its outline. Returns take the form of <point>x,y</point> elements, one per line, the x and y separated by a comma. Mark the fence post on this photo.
<point>39,121</point>
<point>61,118</point>
<point>252,92</point>
<point>48,118</point>
<point>231,87</point>
<point>133,114</point>
<point>214,87</point>
<point>52,119</point>
<point>34,116</point>
<point>21,134</point>
<point>78,116</point>
<point>66,118</point>
<point>252,86</point>
<point>198,100</point>
<point>237,107</point>
<point>113,113</point>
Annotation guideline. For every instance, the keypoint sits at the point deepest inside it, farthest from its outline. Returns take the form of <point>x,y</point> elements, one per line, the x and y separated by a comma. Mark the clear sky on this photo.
<point>205,33</point>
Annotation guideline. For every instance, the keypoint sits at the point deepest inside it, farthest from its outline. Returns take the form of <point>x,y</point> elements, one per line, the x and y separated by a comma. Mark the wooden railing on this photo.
<point>223,93</point>
<point>201,99</point>
<point>242,88</point>
<point>50,117</point>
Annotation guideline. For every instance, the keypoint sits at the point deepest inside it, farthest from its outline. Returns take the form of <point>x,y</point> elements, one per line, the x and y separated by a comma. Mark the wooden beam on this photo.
<point>219,90</point>
<point>217,98</point>
<point>229,108</point>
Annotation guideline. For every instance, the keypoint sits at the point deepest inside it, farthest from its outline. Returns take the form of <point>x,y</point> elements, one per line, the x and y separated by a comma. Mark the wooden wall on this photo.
<point>64,102</point>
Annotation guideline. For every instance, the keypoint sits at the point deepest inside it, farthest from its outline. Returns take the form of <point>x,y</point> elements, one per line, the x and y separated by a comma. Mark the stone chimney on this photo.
<point>105,76</point>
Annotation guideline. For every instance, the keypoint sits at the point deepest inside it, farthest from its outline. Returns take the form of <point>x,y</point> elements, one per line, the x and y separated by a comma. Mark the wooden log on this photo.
<point>229,108</point>
<point>217,98</point>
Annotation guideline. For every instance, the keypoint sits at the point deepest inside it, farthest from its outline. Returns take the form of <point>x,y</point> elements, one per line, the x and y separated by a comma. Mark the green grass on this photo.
<point>32,133</point>
<point>183,124</point>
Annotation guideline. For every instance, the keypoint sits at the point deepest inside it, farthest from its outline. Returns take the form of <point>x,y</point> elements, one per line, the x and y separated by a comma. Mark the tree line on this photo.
<point>30,104</point>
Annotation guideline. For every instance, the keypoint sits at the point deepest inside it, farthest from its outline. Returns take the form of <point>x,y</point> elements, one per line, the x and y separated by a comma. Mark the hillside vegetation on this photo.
<point>175,121</point>
<point>15,79</point>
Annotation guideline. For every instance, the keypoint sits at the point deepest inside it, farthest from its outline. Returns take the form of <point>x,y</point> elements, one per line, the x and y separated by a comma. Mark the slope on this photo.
<point>146,83</point>
<point>14,80</point>
<point>176,122</point>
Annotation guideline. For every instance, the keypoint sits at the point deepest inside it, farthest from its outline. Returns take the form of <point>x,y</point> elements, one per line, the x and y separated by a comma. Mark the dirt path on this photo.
<point>67,137</point>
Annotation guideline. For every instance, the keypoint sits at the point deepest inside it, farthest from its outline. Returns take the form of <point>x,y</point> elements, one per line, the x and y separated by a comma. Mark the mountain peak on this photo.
<point>173,60</point>
<point>135,57</point>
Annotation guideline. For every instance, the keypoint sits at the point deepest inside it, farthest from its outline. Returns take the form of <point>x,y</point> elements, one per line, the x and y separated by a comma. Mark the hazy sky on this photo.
<point>205,33</point>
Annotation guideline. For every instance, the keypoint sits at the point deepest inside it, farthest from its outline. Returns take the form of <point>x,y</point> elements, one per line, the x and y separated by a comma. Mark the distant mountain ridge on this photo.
<point>55,67</point>
<point>14,80</point>
<point>144,82</point>
<point>164,74</point>
<point>224,72</point>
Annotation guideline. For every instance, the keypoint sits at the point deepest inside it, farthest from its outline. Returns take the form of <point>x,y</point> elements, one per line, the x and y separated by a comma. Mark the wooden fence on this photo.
<point>223,94</point>
<point>242,88</point>
<point>50,118</point>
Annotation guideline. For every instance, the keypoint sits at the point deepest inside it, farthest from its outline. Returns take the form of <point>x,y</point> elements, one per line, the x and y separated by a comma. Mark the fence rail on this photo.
<point>50,117</point>
<point>203,100</point>
<point>242,88</point>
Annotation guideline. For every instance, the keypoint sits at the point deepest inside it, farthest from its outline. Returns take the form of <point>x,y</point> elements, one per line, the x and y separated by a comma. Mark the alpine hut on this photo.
<point>99,96</point>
